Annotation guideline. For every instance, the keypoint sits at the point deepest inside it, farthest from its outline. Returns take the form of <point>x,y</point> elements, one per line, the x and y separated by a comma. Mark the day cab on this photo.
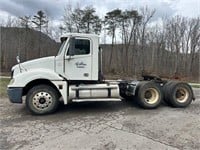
<point>75,74</point>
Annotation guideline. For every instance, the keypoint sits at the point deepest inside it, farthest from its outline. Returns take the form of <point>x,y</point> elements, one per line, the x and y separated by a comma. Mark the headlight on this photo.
<point>12,81</point>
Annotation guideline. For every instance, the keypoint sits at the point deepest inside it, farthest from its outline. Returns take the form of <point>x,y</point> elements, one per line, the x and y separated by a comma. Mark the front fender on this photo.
<point>22,79</point>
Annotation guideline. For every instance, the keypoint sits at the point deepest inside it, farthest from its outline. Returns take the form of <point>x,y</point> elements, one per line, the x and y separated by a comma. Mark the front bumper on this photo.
<point>15,94</point>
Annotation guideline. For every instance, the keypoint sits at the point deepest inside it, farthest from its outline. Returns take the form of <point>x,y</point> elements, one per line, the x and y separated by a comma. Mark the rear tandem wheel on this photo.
<point>149,94</point>
<point>177,94</point>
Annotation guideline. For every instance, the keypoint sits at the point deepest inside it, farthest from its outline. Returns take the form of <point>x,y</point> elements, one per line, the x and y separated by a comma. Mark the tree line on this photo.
<point>137,45</point>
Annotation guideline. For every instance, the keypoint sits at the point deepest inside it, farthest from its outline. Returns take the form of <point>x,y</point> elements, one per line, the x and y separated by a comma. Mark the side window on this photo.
<point>82,47</point>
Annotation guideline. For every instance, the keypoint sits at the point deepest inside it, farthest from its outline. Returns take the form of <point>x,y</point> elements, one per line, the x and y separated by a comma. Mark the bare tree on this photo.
<point>112,22</point>
<point>12,22</point>
<point>73,18</point>
<point>147,14</point>
<point>195,39</point>
<point>129,21</point>
<point>67,18</point>
<point>25,21</point>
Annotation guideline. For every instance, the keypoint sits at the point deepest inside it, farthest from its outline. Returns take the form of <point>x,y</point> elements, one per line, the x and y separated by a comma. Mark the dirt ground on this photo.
<point>100,125</point>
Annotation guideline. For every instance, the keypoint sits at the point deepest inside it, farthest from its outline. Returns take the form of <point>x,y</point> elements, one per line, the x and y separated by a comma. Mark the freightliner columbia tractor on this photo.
<point>75,74</point>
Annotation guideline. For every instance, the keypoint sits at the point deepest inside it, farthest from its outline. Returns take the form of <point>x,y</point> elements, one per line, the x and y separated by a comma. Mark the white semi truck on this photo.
<point>75,74</point>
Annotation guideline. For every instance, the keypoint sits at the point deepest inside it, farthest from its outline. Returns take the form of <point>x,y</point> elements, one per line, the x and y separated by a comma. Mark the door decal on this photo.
<point>80,64</point>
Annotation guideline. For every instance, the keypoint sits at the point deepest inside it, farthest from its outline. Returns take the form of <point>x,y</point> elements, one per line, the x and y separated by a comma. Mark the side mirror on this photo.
<point>71,47</point>
<point>18,59</point>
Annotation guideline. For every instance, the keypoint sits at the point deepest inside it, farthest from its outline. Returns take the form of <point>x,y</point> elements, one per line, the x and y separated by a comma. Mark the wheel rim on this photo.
<point>151,96</point>
<point>42,100</point>
<point>182,95</point>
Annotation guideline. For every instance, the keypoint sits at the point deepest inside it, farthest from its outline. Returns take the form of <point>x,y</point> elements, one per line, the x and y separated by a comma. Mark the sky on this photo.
<point>55,8</point>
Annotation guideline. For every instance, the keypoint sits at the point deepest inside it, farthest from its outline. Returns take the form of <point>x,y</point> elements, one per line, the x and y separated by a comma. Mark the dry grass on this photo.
<point>3,86</point>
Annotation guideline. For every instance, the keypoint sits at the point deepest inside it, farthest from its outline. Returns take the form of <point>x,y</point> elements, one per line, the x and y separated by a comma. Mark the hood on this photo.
<point>43,63</point>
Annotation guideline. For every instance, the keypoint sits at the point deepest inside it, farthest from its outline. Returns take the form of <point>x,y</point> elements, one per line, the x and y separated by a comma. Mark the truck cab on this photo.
<point>78,57</point>
<point>75,74</point>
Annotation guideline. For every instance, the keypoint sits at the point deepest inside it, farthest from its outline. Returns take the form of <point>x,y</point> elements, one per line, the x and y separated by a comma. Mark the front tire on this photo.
<point>42,99</point>
<point>149,95</point>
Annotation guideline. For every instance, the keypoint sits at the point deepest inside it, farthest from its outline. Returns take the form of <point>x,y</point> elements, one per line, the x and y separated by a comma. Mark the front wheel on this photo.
<point>42,99</point>
<point>149,95</point>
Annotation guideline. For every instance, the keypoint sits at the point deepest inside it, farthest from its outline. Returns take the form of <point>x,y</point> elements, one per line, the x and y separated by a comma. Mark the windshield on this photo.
<point>63,40</point>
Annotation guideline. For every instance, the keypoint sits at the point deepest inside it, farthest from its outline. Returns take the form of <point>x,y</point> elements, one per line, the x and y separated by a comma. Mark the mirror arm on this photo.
<point>70,57</point>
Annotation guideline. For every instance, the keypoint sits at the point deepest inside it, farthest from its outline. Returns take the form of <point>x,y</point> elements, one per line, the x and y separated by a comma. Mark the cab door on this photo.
<point>78,59</point>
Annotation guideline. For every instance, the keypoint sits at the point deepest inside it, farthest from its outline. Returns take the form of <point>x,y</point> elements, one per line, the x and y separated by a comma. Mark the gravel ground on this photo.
<point>101,125</point>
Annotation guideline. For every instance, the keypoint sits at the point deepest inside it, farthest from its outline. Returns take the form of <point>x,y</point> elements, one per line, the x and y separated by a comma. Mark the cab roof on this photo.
<point>80,35</point>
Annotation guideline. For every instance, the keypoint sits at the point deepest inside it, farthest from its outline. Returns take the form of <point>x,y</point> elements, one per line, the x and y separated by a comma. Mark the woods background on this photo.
<point>132,44</point>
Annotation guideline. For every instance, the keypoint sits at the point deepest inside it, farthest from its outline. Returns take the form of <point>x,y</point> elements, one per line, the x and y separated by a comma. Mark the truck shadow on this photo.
<point>98,106</point>
<point>83,109</point>
<point>92,106</point>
